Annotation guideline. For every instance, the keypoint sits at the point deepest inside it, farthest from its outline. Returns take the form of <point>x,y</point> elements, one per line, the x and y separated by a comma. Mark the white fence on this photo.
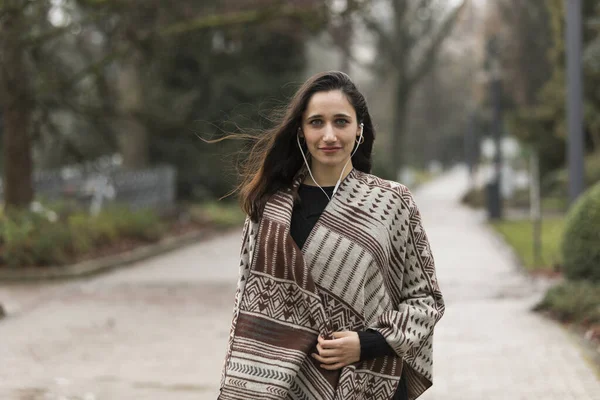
<point>97,183</point>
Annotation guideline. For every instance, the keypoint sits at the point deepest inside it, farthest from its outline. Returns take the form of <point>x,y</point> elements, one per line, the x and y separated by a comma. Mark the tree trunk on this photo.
<point>16,111</point>
<point>345,42</point>
<point>400,109</point>
<point>132,134</point>
<point>133,143</point>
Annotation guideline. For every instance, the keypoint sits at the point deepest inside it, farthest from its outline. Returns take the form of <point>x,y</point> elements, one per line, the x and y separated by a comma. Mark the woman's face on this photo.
<point>330,128</point>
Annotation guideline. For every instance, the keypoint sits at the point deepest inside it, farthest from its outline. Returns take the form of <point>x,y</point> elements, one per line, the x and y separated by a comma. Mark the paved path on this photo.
<point>488,345</point>
<point>158,330</point>
<point>153,331</point>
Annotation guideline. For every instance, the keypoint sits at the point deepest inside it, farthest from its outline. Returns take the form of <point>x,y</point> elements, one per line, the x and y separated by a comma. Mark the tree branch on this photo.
<point>94,68</point>
<point>347,52</point>
<point>425,64</point>
<point>234,18</point>
<point>383,37</point>
<point>5,10</point>
<point>400,8</point>
<point>40,39</point>
<point>200,23</point>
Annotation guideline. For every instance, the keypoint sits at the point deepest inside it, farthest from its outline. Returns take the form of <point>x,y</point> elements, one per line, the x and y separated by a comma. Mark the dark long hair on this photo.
<point>275,157</point>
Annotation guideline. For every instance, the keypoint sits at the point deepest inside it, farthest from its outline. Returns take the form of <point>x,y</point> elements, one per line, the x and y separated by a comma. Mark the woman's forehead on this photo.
<point>329,103</point>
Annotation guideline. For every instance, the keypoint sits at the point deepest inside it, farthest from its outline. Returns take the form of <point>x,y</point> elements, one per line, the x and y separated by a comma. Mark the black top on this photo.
<point>304,217</point>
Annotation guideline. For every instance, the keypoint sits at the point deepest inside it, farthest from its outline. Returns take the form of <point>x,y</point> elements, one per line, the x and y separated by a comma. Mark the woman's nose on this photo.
<point>329,134</point>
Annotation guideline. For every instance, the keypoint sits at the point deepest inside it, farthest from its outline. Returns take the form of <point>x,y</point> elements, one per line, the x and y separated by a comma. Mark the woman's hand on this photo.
<point>342,350</point>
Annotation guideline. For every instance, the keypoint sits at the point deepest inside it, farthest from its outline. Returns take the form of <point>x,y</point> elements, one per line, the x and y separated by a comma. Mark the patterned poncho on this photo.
<point>367,264</point>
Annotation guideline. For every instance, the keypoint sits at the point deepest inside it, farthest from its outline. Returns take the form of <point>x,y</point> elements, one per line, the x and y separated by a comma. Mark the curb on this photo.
<point>90,267</point>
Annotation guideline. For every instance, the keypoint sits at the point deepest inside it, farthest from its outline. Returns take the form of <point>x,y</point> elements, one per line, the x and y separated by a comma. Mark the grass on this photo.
<point>519,235</point>
<point>221,214</point>
<point>476,198</point>
<point>559,204</point>
<point>422,177</point>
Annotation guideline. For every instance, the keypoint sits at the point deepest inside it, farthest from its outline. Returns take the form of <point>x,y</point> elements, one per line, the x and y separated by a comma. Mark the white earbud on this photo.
<point>362,127</point>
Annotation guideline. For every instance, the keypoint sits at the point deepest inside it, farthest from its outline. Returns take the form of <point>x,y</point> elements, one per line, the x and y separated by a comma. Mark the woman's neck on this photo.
<point>325,175</point>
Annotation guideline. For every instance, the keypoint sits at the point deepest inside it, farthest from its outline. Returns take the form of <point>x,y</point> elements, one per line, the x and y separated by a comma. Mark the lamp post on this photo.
<point>574,99</point>
<point>494,191</point>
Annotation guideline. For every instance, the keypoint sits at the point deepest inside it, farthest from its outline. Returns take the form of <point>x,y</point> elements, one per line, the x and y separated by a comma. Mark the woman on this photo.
<point>337,296</point>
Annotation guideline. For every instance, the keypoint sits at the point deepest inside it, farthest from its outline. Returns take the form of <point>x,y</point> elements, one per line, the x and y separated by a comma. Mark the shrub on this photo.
<point>221,214</point>
<point>19,229</point>
<point>474,198</point>
<point>33,238</point>
<point>581,238</point>
<point>52,245</point>
<point>143,224</point>
<point>84,238</point>
<point>16,242</point>
<point>573,302</point>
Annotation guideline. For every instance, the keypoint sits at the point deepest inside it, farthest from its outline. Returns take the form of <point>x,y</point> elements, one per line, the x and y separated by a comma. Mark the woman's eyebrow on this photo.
<point>315,116</point>
<point>336,115</point>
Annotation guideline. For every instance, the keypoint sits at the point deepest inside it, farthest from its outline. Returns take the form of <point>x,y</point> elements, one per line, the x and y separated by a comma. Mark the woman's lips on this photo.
<point>330,149</point>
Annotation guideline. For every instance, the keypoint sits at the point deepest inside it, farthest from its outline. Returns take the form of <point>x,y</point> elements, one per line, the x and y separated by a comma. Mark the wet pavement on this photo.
<point>158,329</point>
<point>152,331</point>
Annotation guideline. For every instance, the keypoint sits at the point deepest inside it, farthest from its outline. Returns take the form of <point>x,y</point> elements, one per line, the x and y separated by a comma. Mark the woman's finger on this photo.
<point>322,348</point>
<point>329,353</point>
<point>328,344</point>
<point>326,360</point>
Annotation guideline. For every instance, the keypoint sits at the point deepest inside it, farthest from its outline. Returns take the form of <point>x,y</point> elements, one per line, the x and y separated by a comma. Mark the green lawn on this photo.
<point>519,235</point>
<point>422,177</point>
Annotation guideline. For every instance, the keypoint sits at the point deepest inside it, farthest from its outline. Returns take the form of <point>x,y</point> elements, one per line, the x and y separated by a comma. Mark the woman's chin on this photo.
<point>331,162</point>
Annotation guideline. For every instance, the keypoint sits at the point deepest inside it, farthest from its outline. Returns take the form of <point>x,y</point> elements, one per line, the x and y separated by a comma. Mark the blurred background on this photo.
<point>109,88</point>
<point>104,104</point>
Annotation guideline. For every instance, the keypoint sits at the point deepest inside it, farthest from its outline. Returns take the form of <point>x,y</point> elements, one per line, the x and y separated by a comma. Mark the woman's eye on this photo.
<point>315,122</point>
<point>341,122</point>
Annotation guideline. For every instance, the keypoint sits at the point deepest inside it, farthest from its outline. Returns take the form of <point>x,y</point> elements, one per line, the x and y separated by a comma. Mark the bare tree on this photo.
<point>409,36</point>
<point>24,31</point>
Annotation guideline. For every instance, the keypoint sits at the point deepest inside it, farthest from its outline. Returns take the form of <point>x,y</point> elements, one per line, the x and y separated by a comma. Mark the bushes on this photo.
<point>31,239</point>
<point>581,239</point>
<point>221,214</point>
<point>577,302</point>
<point>578,298</point>
<point>142,225</point>
<point>38,238</point>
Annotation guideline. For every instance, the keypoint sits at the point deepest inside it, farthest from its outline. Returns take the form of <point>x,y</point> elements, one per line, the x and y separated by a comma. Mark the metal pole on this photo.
<point>535,206</point>
<point>469,144</point>
<point>575,145</point>
<point>496,212</point>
